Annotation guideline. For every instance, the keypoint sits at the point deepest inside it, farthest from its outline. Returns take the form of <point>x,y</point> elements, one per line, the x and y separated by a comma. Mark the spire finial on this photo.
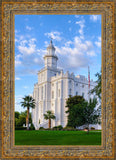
<point>51,40</point>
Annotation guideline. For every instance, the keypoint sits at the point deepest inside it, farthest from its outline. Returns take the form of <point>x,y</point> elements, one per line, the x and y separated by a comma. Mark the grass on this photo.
<point>36,137</point>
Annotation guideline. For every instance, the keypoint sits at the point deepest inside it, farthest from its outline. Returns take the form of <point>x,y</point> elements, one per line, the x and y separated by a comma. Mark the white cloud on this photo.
<point>68,43</point>
<point>72,54</point>
<point>76,16</point>
<point>25,87</point>
<point>75,54</point>
<point>27,47</point>
<point>28,54</point>
<point>17,78</point>
<point>46,43</point>
<point>55,35</point>
<point>16,31</point>
<point>16,40</point>
<point>94,18</point>
<point>27,50</point>
<point>98,43</point>
<point>69,21</point>
<point>91,53</point>
<point>17,62</point>
<point>81,24</point>
<point>36,60</point>
<point>29,28</point>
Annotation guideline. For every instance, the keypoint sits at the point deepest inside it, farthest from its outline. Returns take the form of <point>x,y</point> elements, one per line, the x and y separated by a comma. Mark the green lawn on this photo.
<point>36,137</point>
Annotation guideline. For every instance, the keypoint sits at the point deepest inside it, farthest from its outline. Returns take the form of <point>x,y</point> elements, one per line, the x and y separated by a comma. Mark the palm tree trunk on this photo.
<point>49,123</point>
<point>27,118</point>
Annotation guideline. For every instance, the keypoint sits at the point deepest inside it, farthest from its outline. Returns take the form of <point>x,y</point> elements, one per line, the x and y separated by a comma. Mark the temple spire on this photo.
<point>51,48</point>
<point>50,58</point>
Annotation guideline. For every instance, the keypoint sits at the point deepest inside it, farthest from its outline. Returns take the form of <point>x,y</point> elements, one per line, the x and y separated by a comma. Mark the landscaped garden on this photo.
<point>54,137</point>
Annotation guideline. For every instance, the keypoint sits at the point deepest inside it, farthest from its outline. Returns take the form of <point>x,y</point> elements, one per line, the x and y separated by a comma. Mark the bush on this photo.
<point>32,127</point>
<point>86,128</point>
<point>54,128</point>
<point>41,128</point>
<point>67,128</point>
<point>59,127</point>
<point>20,128</point>
<point>92,128</point>
<point>48,129</point>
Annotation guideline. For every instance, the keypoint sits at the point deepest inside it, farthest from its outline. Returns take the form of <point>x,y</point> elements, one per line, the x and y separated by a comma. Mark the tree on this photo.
<point>17,114</point>
<point>97,88</point>
<point>28,102</point>
<point>90,114</point>
<point>21,119</point>
<point>49,116</point>
<point>80,112</point>
<point>75,107</point>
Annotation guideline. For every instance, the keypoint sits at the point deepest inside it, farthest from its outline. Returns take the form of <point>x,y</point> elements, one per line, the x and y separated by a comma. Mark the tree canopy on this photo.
<point>49,116</point>
<point>97,88</point>
<point>80,112</point>
<point>75,107</point>
<point>28,102</point>
<point>21,119</point>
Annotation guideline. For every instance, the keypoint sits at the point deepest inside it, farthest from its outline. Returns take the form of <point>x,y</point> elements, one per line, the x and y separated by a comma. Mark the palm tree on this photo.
<point>28,102</point>
<point>49,116</point>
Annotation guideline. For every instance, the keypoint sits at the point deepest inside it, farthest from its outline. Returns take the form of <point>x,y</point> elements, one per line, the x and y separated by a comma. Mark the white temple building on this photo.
<point>52,90</point>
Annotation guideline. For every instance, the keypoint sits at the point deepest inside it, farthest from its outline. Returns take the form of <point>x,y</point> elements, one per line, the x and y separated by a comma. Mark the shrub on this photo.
<point>48,129</point>
<point>20,128</point>
<point>92,128</point>
<point>59,127</point>
<point>67,128</point>
<point>86,128</point>
<point>32,127</point>
<point>54,128</point>
<point>41,128</point>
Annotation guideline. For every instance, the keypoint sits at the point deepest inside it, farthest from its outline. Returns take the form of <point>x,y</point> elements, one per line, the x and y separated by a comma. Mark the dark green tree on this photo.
<point>49,116</point>
<point>21,119</point>
<point>80,112</point>
<point>75,107</point>
<point>91,115</point>
<point>17,114</point>
<point>97,88</point>
<point>28,102</point>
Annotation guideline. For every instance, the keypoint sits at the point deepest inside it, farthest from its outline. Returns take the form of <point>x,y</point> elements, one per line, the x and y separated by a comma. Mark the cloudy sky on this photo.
<point>77,39</point>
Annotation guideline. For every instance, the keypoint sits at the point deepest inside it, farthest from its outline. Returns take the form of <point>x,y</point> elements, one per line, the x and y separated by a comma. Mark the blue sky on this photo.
<point>77,39</point>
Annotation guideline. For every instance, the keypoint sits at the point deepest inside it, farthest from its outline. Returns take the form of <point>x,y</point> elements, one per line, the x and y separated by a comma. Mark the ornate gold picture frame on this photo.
<point>7,147</point>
